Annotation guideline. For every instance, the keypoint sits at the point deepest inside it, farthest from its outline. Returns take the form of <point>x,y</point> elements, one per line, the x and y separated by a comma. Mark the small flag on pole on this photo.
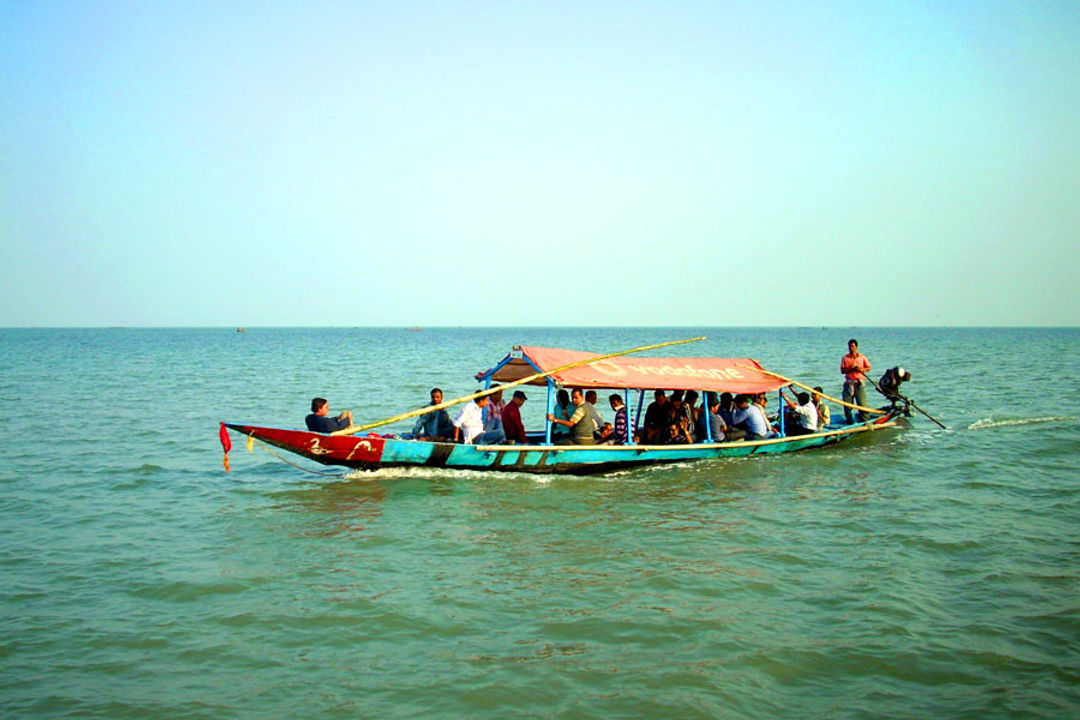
<point>226,445</point>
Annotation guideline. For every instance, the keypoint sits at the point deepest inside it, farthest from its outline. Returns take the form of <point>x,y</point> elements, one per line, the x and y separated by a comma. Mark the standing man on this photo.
<point>511,420</point>
<point>854,367</point>
<point>320,421</point>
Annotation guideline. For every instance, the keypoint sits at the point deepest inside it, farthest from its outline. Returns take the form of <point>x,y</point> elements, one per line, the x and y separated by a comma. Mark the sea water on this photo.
<point>917,573</point>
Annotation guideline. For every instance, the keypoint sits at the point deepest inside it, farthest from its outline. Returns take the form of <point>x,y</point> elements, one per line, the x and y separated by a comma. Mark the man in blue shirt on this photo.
<point>434,425</point>
<point>717,426</point>
<point>750,418</point>
<point>320,421</point>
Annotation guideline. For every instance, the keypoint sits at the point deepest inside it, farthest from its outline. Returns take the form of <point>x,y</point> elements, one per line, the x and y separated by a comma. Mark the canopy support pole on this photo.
<point>640,407</point>
<point>550,410</point>
<point>707,417</point>
<point>781,414</point>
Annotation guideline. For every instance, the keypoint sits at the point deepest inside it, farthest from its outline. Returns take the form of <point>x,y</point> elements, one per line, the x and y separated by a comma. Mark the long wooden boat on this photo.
<point>734,375</point>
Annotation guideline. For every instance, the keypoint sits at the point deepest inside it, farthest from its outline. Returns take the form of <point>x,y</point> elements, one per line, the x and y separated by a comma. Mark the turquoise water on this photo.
<point>923,573</point>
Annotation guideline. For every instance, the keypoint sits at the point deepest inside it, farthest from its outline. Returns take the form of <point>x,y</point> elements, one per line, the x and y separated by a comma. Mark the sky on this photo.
<point>539,163</point>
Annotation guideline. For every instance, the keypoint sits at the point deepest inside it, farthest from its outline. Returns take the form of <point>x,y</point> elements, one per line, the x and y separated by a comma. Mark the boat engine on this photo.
<point>889,384</point>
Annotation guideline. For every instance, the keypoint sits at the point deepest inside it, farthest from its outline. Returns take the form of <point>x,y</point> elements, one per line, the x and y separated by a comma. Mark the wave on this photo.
<point>989,423</point>
<point>425,472</point>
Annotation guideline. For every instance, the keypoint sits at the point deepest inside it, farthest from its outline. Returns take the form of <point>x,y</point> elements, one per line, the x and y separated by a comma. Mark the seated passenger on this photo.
<point>581,424</point>
<point>434,425</point>
<point>727,408</point>
<point>679,433</point>
<point>469,424</point>
<point>675,403</point>
<point>605,435</point>
<point>716,424</point>
<point>822,408</point>
<point>801,418</point>
<point>493,425</point>
<point>562,411</point>
<point>689,410</point>
<point>762,401</point>
<point>751,418</point>
<point>319,420</point>
<point>590,407</point>
<point>511,419</point>
<point>656,418</point>
<point>621,423</point>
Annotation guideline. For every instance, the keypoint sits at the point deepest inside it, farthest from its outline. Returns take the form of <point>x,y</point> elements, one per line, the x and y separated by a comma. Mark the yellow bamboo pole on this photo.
<point>536,376</point>
<point>807,387</point>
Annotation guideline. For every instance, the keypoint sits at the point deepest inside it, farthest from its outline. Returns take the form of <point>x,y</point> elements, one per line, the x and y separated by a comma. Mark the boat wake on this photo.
<point>429,473</point>
<point>991,423</point>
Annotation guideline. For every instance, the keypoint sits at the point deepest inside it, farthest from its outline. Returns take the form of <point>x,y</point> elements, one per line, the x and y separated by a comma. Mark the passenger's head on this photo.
<point>615,400</point>
<point>725,399</point>
<point>577,397</point>
<point>658,395</point>
<point>318,404</point>
<point>803,398</point>
<point>519,398</point>
<point>590,397</point>
<point>676,395</point>
<point>742,400</point>
<point>482,401</point>
<point>496,396</point>
<point>562,397</point>
<point>436,396</point>
<point>691,397</point>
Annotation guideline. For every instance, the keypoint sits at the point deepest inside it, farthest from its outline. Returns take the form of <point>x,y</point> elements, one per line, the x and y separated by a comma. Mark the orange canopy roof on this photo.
<point>734,375</point>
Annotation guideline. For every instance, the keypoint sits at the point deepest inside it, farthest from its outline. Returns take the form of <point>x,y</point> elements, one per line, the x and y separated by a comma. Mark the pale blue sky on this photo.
<point>539,163</point>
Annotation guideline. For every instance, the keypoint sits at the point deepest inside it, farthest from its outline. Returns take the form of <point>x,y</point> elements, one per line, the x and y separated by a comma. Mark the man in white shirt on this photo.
<point>469,424</point>
<point>802,416</point>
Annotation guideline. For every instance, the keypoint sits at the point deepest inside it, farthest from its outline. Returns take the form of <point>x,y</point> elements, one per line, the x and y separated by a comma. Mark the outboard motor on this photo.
<point>889,384</point>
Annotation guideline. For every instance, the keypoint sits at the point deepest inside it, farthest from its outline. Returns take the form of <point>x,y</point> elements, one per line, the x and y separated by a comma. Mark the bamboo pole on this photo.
<point>807,387</point>
<point>490,391</point>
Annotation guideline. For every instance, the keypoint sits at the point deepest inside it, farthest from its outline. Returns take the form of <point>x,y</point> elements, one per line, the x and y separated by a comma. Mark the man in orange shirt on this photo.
<point>854,367</point>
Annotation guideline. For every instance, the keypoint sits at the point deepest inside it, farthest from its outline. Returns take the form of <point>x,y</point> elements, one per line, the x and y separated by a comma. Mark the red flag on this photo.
<point>226,445</point>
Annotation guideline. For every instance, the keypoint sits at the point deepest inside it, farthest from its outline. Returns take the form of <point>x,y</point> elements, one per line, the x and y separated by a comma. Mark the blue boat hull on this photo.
<point>373,452</point>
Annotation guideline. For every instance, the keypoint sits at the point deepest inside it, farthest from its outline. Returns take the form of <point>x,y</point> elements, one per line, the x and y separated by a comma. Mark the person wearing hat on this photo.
<point>511,419</point>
